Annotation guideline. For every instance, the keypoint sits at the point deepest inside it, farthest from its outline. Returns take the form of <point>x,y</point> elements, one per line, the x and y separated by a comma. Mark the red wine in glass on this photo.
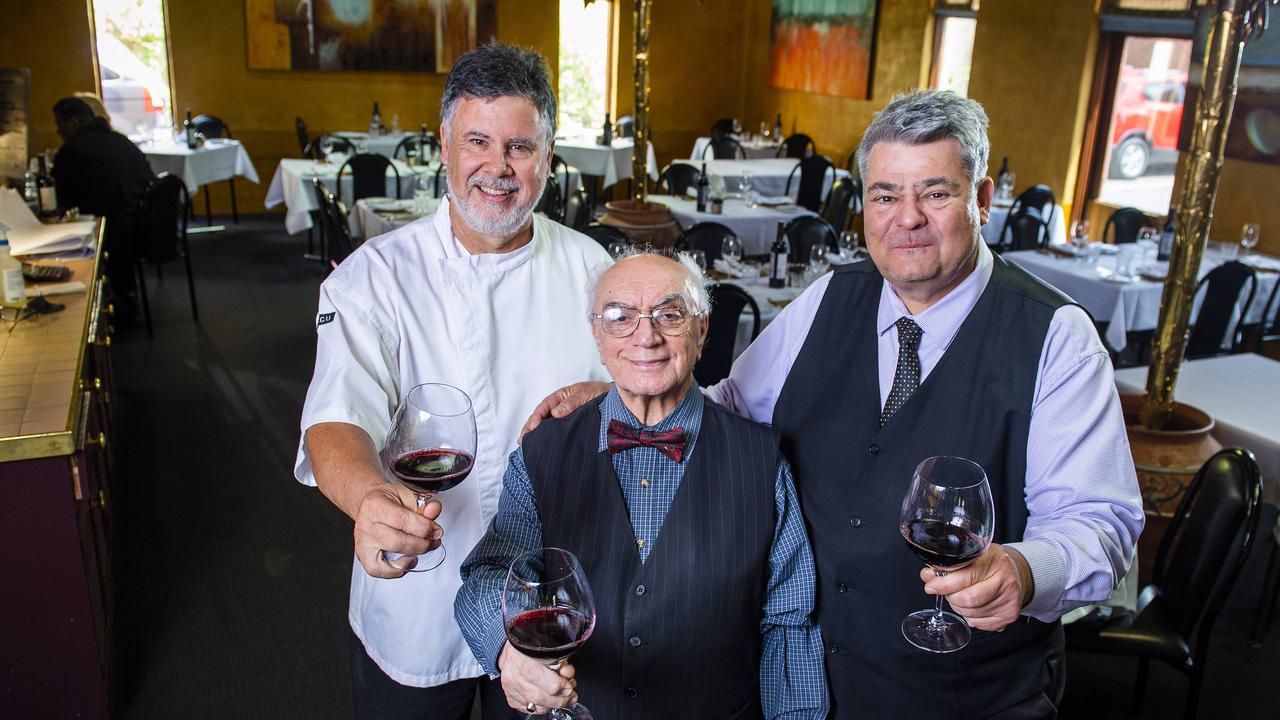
<point>942,545</point>
<point>432,471</point>
<point>549,633</point>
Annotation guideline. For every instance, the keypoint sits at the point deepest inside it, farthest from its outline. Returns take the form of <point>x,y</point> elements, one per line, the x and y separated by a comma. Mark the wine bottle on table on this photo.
<point>777,127</point>
<point>704,190</point>
<point>606,137</point>
<point>1166,235</point>
<point>778,259</point>
<point>46,189</point>
<point>375,120</point>
<point>189,131</point>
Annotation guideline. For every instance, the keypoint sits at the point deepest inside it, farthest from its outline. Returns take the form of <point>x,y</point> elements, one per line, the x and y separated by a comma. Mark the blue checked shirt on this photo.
<point>792,682</point>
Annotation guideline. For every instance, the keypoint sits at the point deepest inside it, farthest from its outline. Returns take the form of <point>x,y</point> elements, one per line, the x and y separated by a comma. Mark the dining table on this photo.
<point>216,160</point>
<point>383,144</point>
<point>756,225</point>
<point>767,176</point>
<point>1131,303</point>
<point>377,216</point>
<point>610,163</point>
<point>291,186</point>
<point>753,147</point>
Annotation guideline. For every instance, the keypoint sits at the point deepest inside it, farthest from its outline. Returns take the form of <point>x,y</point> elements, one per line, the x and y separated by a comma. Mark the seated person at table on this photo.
<point>103,173</point>
<point>712,619</point>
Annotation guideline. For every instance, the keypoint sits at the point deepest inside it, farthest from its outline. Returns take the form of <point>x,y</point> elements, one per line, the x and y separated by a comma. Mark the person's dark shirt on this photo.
<point>101,172</point>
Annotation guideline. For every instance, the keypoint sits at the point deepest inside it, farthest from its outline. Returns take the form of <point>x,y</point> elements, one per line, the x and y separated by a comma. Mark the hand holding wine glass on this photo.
<point>948,520</point>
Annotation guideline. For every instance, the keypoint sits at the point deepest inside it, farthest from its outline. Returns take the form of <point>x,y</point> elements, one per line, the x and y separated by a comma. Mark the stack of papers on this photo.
<point>27,235</point>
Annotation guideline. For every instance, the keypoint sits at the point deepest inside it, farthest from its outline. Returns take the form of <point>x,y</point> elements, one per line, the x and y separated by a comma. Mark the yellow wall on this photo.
<point>52,38</point>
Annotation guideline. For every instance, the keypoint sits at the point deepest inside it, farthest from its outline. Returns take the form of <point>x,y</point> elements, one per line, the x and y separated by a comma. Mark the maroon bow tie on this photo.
<point>624,437</point>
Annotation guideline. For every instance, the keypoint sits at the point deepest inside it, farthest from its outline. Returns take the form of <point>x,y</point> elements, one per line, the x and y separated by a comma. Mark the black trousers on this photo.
<point>376,696</point>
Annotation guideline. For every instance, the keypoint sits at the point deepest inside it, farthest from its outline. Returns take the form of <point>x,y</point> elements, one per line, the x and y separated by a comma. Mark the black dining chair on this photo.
<point>1124,225</point>
<point>707,237</point>
<point>625,127</point>
<point>677,178</point>
<point>728,302</point>
<point>797,146</point>
<point>550,204</point>
<point>1197,563</point>
<point>724,127</point>
<point>605,235</point>
<point>440,183</point>
<point>851,163</point>
<point>304,140</point>
<point>576,210</point>
<point>368,176</point>
<point>560,171</point>
<point>1024,230</point>
<point>162,236</point>
<point>1269,332</point>
<point>335,232</point>
<point>841,203</point>
<point>213,127</point>
<point>806,231</point>
<point>725,147</point>
<point>812,172</point>
<point>1224,288</point>
<point>1039,197</point>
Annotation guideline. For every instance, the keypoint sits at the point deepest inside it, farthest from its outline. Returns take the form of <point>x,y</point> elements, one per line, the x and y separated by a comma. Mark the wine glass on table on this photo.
<point>1080,236</point>
<point>731,251</point>
<point>1249,234</point>
<point>431,448</point>
<point>948,519</point>
<point>549,613</point>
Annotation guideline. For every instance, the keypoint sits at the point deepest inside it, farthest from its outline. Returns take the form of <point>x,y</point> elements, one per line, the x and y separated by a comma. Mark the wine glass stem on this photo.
<point>938,622</point>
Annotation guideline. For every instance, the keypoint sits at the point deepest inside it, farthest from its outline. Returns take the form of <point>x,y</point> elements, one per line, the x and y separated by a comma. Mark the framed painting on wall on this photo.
<point>338,35</point>
<point>823,46</point>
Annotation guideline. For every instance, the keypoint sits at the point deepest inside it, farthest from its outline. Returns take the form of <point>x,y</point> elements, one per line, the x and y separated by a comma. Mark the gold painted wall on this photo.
<point>51,37</point>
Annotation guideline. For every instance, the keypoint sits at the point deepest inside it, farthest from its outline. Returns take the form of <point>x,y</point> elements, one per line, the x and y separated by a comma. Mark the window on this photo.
<point>133,64</point>
<point>955,22</point>
<point>586,64</point>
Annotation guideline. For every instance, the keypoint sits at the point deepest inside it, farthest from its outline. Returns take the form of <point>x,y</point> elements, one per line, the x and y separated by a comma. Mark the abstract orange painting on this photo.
<point>823,46</point>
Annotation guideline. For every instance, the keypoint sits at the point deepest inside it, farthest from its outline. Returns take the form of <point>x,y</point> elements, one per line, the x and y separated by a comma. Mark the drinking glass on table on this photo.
<point>1249,234</point>
<point>431,448</point>
<point>1080,236</point>
<point>818,262</point>
<point>548,613</point>
<point>948,520</point>
<point>617,248</point>
<point>731,251</point>
<point>422,192</point>
<point>700,258</point>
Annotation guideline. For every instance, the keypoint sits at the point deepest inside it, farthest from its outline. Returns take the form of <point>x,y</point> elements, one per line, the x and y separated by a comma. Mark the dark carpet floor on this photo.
<point>232,578</point>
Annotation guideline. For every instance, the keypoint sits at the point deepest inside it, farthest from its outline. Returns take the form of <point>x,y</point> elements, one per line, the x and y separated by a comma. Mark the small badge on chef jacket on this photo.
<point>325,318</point>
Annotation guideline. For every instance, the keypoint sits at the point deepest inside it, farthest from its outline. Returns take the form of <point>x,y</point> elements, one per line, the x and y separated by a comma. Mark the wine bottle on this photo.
<point>31,192</point>
<point>375,120</point>
<point>1004,169</point>
<point>704,190</point>
<point>1166,235</point>
<point>10,272</point>
<point>189,131</point>
<point>46,189</point>
<point>606,137</point>
<point>777,126</point>
<point>778,259</point>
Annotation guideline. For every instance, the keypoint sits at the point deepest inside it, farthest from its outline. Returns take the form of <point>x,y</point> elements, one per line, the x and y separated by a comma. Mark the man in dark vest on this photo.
<point>686,523</point>
<point>935,346</point>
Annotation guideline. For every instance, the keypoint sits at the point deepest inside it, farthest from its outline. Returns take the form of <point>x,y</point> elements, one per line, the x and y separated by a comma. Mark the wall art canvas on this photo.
<point>341,35</point>
<point>823,46</point>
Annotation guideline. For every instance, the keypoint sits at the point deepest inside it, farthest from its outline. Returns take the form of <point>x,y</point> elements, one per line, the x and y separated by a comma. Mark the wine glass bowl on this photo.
<point>947,520</point>
<point>731,251</point>
<point>548,612</point>
<point>1249,234</point>
<point>431,448</point>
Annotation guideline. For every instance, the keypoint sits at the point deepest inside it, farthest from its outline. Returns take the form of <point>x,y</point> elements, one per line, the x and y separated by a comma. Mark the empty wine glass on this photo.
<point>849,244</point>
<point>548,612</point>
<point>1080,236</point>
<point>1005,190</point>
<point>617,248</point>
<point>700,258</point>
<point>731,251</point>
<point>431,448</point>
<point>1249,236</point>
<point>948,520</point>
<point>818,258</point>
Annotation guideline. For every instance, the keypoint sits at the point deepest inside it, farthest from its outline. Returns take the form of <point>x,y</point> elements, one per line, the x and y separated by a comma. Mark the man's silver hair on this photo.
<point>924,116</point>
<point>696,298</point>
<point>497,70</point>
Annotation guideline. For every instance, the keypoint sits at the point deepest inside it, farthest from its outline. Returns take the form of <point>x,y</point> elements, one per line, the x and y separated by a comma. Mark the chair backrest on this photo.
<point>414,143</point>
<point>813,176</point>
<point>1270,310</point>
<point>304,140</point>
<point>1227,287</point>
<point>722,127</point>
<point>625,127</point>
<point>679,177</point>
<point>560,171</point>
<point>1039,197</point>
<point>575,210</point>
<point>806,231</point>
<point>725,147</point>
<point>1124,224</point>
<point>604,234</point>
<point>797,146</point>
<point>549,204</point>
<point>163,218</point>
<point>1023,230</point>
<point>441,182</point>
<point>335,235</point>
<point>368,176</point>
<point>1208,540</point>
<point>210,126</point>
<point>727,303</point>
<point>326,145</point>
<point>840,201</point>
<point>851,162</point>
<point>707,237</point>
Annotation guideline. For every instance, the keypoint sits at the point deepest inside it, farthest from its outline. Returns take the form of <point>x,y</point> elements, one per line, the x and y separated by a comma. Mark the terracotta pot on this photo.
<point>646,224</point>
<point>1166,461</point>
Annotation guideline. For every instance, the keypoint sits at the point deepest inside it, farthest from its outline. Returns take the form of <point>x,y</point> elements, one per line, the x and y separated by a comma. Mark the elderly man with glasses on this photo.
<point>703,586</point>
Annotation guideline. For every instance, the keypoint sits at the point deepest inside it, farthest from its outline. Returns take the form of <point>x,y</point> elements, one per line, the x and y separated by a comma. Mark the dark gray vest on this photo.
<point>851,476</point>
<point>677,636</point>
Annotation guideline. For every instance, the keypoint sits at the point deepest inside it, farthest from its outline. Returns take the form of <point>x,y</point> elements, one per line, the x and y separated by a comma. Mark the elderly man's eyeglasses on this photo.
<point>621,320</point>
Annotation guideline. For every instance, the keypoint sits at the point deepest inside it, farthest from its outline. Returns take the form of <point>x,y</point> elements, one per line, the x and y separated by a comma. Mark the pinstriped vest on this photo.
<point>851,476</point>
<point>677,636</point>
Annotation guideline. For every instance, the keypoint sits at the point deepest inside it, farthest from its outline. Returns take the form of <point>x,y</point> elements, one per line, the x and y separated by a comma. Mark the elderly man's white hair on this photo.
<point>696,298</point>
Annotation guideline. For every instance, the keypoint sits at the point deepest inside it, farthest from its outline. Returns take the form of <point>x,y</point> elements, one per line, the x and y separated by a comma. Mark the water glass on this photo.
<point>1249,234</point>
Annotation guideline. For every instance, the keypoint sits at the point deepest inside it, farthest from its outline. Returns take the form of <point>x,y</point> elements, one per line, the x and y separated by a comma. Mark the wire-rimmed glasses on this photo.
<point>619,321</point>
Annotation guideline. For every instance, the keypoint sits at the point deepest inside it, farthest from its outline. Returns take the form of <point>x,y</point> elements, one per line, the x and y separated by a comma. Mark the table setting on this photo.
<point>610,162</point>
<point>752,218</point>
<point>291,186</point>
<point>377,216</point>
<point>754,146</point>
<point>215,160</point>
<point>767,176</point>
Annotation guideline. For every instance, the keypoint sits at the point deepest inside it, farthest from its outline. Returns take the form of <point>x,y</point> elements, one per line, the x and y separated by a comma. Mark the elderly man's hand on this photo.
<point>387,520</point>
<point>526,680</point>
<point>562,402</point>
<point>988,592</point>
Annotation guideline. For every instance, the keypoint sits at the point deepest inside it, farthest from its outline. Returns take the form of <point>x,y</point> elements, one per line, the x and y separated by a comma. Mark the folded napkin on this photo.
<point>724,268</point>
<point>775,200</point>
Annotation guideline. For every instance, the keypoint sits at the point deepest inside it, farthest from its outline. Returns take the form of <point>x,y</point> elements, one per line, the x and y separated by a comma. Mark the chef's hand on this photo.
<point>562,402</point>
<point>387,519</point>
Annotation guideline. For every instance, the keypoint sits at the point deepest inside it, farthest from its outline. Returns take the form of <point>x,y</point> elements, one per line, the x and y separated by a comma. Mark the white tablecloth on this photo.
<point>753,149</point>
<point>991,231</point>
<point>219,159</point>
<point>377,216</point>
<point>1126,306</point>
<point>1242,393</point>
<point>611,163</point>
<point>768,176</point>
<point>291,185</point>
<point>755,227</point>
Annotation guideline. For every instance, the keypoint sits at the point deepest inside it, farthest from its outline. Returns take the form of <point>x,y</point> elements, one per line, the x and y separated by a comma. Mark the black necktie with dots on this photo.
<point>907,377</point>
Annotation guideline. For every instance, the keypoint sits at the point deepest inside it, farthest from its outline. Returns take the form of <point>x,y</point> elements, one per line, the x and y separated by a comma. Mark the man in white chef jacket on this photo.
<point>484,296</point>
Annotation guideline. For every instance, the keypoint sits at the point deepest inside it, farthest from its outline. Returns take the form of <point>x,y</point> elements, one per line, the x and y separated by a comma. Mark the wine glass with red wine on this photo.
<point>548,612</point>
<point>431,448</point>
<point>948,519</point>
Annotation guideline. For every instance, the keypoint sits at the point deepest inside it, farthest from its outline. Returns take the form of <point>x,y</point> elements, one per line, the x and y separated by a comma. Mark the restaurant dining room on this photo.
<point>281,435</point>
